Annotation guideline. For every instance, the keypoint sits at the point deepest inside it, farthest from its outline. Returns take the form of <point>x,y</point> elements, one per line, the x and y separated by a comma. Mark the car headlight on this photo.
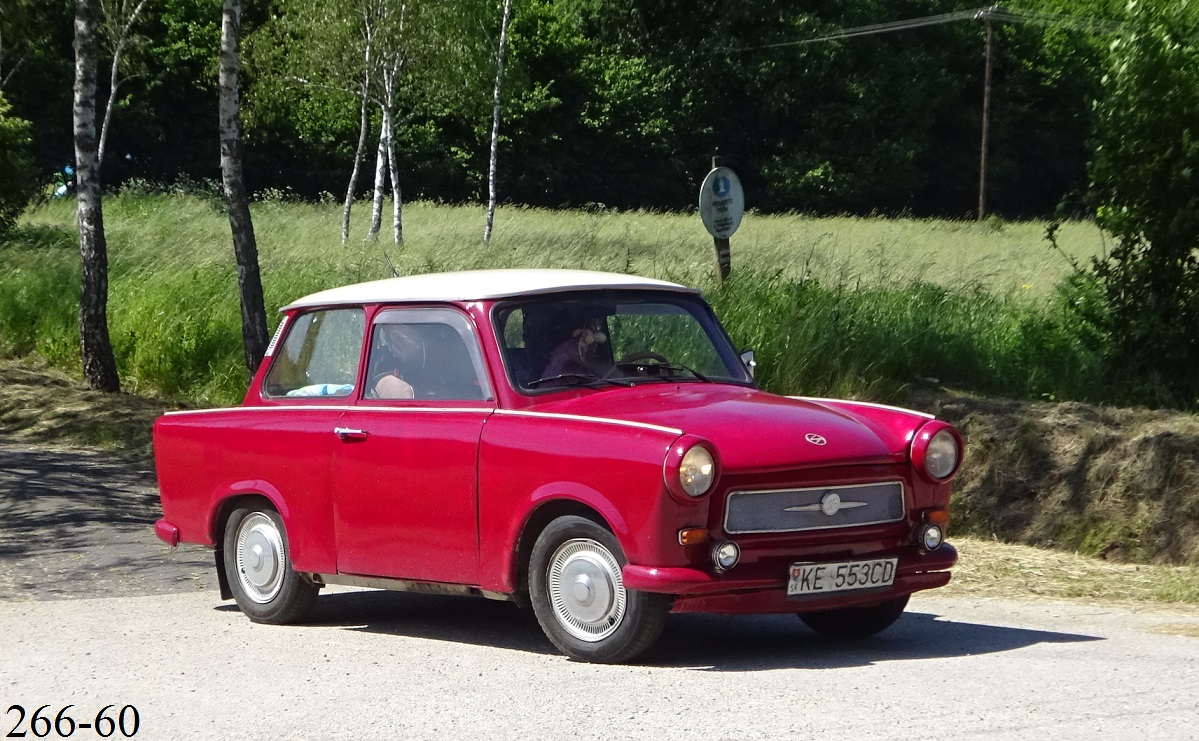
<point>936,452</point>
<point>941,457</point>
<point>697,471</point>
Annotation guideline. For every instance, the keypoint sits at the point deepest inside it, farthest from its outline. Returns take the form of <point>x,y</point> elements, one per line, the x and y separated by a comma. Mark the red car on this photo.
<point>588,443</point>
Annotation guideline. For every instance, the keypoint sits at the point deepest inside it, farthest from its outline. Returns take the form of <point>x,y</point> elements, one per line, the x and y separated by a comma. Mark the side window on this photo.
<point>425,354</point>
<point>319,356</point>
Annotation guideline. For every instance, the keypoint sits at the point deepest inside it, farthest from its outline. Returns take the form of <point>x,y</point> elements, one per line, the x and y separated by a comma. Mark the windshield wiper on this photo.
<point>577,379</point>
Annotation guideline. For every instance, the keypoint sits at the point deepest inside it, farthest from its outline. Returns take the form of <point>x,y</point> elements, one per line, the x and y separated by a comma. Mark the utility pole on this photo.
<point>982,160</point>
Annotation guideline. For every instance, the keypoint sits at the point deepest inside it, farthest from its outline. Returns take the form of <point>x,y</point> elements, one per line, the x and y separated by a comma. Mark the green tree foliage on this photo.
<point>616,102</point>
<point>18,177</point>
<point>1146,187</point>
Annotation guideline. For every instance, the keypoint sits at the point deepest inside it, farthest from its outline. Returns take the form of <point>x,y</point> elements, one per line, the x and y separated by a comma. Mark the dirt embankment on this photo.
<point>1122,484</point>
<point>1119,483</point>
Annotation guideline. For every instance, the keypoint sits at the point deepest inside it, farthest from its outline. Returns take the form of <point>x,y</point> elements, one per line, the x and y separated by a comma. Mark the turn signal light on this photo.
<point>937,516</point>
<point>693,535</point>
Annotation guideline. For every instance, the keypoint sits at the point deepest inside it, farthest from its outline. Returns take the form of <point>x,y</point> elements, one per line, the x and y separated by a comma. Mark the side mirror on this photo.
<point>747,359</point>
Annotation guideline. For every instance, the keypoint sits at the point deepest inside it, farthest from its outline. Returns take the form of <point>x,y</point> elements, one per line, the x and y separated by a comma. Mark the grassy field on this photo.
<point>835,305</point>
<point>154,232</point>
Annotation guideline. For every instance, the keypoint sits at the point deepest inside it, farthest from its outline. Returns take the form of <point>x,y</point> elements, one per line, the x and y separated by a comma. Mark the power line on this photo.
<point>993,12</point>
<point>877,28</point>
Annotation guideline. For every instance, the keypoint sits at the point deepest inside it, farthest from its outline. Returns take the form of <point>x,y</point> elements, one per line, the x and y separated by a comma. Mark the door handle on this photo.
<point>349,434</point>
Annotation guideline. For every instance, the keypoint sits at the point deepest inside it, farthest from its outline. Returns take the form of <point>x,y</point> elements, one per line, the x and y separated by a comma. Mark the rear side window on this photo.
<point>319,355</point>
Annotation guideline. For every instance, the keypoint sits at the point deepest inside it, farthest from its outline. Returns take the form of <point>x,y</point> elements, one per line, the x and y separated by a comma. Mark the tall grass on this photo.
<point>833,306</point>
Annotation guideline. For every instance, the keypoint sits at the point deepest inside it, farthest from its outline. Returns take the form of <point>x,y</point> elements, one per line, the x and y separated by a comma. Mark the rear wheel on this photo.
<point>578,594</point>
<point>258,568</point>
<point>850,623</point>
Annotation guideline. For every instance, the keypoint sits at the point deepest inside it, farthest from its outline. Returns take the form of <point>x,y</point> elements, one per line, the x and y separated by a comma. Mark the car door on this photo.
<point>406,469</point>
<point>284,444</point>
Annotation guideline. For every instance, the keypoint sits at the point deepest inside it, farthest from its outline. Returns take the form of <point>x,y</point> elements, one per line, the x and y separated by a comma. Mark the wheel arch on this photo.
<point>539,518</point>
<point>220,520</point>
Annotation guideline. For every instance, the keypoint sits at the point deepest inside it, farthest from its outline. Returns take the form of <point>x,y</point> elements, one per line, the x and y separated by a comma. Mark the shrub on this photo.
<point>18,177</point>
<point>1145,186</point>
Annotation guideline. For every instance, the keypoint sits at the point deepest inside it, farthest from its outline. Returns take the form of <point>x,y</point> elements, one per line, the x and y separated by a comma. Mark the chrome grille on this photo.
<point>813,508</point>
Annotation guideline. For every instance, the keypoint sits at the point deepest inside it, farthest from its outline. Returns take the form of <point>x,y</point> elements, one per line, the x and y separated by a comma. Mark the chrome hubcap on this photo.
<point>260,558</point>
<point>586,589</point>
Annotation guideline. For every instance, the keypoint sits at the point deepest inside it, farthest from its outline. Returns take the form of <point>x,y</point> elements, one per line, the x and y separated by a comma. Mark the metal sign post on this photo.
<point>721,206</point>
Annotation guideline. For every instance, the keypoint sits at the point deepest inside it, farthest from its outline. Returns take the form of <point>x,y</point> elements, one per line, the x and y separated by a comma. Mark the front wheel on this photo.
<point>259,571</point>
<point>851,623</point>
<point>578,594</point>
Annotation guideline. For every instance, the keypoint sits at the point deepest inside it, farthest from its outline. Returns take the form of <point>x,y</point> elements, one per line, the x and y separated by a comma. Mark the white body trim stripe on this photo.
<point>867,404</point>
<point>471,410</point>
<point>332,408</point>
<point>581,418</point>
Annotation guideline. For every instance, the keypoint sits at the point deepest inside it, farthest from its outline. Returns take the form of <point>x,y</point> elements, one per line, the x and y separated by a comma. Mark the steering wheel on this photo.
<point>633,357</point>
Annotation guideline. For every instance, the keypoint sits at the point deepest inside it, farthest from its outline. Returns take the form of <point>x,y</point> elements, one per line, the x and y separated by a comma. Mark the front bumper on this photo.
<point>763,589</point>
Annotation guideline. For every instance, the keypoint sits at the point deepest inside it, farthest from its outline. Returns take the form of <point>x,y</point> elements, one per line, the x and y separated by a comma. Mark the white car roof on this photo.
<point>473,285</point>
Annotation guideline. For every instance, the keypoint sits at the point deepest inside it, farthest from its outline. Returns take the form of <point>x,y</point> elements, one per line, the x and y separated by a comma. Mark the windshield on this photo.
<point>619,338</point>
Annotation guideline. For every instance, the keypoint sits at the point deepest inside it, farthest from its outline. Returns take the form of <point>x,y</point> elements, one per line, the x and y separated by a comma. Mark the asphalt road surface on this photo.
<point>95,612</point>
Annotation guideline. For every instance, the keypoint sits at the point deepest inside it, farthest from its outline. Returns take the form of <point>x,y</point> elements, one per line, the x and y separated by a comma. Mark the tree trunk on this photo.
<point>387,142</point>
<point>495,122</point>
<point>380,184</point>
<point>249,281</point>
<point>397,200</point>
<point>99,364</point>
<point>114,81</point>
<point>364,126</point>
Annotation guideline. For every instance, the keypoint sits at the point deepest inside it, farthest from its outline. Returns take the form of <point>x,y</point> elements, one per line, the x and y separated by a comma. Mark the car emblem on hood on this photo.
<point>830,504</point>
<point>815,439</point>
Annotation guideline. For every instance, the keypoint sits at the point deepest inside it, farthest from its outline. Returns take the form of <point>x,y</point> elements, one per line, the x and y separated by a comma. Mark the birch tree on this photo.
<point>493,158</point>
<point>385,160</point>
<point>391,58</point>
<point>237,202</point>
<point>99,363</point>
<point>119,19</point>
<point>364,105</point>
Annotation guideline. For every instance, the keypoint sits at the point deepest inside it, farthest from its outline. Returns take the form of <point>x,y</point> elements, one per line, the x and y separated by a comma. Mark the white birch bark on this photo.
<point>495,123</point>
<point>368,13</point>
<point>380,183</point>
<point>363,132</point>
<point>114,75</point>
<point>390,78</point>
<point>397,200</point>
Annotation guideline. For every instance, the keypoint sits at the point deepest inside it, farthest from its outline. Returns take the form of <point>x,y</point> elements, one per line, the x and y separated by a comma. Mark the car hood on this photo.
<point>754,430</point>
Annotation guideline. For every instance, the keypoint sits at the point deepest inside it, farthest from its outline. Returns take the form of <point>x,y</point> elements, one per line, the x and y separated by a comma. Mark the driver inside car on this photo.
<point>570,342</point>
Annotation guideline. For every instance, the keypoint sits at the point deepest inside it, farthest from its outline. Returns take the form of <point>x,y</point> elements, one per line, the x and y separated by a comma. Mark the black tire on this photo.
<point>258,568</point>
<point>597,619</point>
<point>854,623</point>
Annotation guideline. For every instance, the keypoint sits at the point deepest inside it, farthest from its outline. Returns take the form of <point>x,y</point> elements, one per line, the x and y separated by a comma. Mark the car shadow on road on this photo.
<point>465,620</point>
<point>705,642</point>
<point>754,643</point>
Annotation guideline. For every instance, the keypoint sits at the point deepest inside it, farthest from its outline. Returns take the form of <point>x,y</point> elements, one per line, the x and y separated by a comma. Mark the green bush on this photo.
<point>18,177</point>
<point>1145,176</point>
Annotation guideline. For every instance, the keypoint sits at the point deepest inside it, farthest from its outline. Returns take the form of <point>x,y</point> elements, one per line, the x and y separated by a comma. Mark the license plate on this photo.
<point>821,578</point>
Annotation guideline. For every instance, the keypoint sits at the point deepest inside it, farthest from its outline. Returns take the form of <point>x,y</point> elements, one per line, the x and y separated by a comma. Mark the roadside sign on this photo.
<point>721,202</point>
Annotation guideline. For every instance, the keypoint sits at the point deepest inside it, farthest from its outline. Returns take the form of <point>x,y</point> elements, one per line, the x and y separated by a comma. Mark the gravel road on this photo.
<point>79,523</point>
<point>94,611</point>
